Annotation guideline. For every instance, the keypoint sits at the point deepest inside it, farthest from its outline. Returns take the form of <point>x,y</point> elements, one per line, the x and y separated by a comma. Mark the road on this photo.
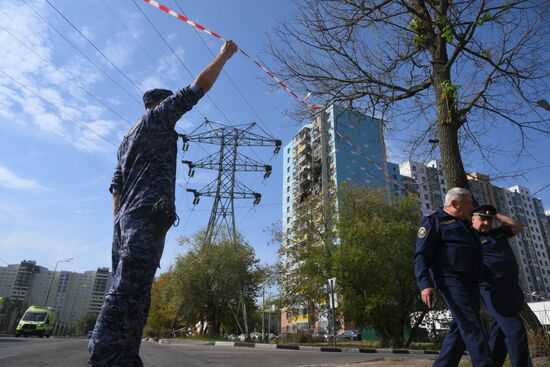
<point>19,352</point>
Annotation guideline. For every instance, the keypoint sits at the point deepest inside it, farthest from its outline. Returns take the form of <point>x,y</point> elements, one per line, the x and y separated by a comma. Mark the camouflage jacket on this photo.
<point>146,170</point>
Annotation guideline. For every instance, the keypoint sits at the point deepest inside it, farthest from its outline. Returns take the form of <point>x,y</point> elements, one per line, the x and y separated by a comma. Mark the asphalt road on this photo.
<point>73,353</point>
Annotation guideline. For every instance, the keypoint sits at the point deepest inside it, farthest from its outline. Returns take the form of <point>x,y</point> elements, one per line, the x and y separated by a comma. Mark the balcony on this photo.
<point>304,147</point>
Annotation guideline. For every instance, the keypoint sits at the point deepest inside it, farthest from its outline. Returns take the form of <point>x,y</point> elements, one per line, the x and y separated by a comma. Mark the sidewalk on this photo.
<point>385,362</point>
<point>401,362</point>
<point>298,347</point>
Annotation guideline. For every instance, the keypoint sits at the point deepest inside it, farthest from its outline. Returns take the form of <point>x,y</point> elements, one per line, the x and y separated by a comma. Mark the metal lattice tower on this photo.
<point>227,161</point>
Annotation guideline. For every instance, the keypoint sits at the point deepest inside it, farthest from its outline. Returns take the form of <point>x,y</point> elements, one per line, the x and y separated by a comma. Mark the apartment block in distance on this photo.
<point>72,294</point>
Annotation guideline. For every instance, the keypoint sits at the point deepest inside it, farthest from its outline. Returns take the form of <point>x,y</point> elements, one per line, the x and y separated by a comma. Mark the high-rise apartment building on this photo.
<point>427,182</point>
<point>338,146</point>
<point>531,247</point>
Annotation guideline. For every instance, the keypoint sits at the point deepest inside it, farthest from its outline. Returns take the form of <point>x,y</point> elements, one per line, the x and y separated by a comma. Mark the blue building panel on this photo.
<point>359,148</point>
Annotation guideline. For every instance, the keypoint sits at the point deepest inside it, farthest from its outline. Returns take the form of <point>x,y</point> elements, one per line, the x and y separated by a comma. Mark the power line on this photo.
<point>184,66</point>
<point>65,75</point>
<point>95,47</point>
<point>84,55</point>
<point>77,120</point>
<point>129,32</point>
<point>235,86</point>
<point>541,189</point>
<point>152,59</point>
<point>177,57</point>
<point>268,132</point>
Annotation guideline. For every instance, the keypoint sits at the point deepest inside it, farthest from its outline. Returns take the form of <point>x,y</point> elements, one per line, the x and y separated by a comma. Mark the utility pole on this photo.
<point>53,276</point>
<point>331,283</point>
<point>263,313</point>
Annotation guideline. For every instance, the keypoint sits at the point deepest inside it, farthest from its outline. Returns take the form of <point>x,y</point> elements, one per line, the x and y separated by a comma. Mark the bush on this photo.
<point>539,344</point>
<point>155,331</point>
<point>297,338</point>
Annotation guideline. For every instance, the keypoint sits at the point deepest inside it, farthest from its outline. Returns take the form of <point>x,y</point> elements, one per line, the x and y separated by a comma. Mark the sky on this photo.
<point>64,109</point>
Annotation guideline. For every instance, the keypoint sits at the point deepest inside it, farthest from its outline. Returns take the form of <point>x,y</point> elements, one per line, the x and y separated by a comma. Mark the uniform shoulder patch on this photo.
<point>422,232</point>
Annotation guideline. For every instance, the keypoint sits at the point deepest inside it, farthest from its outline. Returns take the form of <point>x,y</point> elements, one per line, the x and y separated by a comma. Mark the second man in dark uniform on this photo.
<point>500,291</point>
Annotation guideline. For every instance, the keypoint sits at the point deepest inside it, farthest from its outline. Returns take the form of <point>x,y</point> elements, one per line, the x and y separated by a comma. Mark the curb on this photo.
<point>307,348</point>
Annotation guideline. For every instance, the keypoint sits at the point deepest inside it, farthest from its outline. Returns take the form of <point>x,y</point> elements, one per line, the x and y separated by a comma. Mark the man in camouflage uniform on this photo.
<point>143,189</point>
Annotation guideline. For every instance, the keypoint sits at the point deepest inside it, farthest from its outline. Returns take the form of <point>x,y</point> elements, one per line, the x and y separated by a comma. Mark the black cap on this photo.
<point>155,95</point>
<point>485,211</point>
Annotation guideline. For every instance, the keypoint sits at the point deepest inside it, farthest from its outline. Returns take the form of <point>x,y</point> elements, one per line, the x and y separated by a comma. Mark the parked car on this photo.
<point>320,335</point>
<point>324,336</point>
<point>231,337</point>
<point>255,336</point>
<point>242,337</point>
<point>349,335</point>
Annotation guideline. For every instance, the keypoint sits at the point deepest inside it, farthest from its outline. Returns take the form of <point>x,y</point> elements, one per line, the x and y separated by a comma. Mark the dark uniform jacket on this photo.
<point>498,258</point>
<point>446,247</point>
<point>146,170</point>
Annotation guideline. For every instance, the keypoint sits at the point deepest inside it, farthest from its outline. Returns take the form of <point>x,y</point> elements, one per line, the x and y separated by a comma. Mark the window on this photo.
<point>288,199</point>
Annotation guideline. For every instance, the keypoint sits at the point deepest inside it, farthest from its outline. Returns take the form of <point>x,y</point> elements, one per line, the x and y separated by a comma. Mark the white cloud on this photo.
<point>73,107</point>
<point>89,139</point>
<point>152,81</point>
<point>12,181</point>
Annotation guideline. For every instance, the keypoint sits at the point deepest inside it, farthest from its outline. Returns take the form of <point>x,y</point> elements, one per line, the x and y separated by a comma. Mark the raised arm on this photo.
<point>207,77</point>
<point>514,224</point>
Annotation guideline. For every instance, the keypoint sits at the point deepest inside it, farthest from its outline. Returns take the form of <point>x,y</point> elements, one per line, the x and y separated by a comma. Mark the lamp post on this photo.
<point>53,276</point>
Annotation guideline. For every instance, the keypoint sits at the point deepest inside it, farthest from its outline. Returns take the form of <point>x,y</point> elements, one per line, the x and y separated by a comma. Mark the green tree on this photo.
<point>86,323</point>
<point>373,263</point>
<point>212,280</point>
<point>306,257</point>
<point>436,68</point>
<point>163,306</point>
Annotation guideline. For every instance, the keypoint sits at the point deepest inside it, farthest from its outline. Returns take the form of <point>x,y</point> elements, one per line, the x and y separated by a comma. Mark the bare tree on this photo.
<point>465,67</point>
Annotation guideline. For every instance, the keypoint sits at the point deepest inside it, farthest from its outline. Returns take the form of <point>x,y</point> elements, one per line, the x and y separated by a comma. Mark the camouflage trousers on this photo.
<point>138,242</point>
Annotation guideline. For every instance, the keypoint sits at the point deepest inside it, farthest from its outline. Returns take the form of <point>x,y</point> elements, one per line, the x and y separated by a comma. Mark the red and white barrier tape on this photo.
<point>201,28</point>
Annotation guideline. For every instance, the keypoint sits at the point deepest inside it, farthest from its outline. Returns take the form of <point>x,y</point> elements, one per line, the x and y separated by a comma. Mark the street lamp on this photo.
<point>53,276</point>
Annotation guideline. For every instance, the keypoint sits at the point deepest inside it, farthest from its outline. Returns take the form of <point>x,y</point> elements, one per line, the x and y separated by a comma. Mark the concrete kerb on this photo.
<point>266,346</point>
<point>307,348</point>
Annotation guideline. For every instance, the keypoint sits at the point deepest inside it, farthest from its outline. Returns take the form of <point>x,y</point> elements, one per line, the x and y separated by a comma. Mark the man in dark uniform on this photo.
<point>500,291</point>
<point>143,189</point>
<point>448,257</point>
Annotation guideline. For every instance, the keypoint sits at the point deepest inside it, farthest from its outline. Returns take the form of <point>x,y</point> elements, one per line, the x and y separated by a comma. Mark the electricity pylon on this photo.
<point>227,161</point>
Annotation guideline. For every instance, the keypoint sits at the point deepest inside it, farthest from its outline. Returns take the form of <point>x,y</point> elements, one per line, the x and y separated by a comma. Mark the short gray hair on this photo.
<point>455,193</point>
